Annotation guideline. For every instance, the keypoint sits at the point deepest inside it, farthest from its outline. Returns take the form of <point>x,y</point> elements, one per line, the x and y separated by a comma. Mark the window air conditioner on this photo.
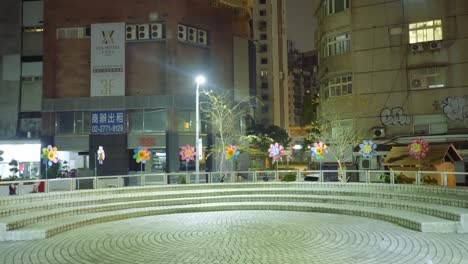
<point>192,35</point>
<point>435,45</point>
<point>417,47</point>
<point>202,37</point>
<point>182,32</point>
<point>156,31</point>
<point>378,132</point>
<point>130,32</point>
<point>143,31</point>
<point>418,82</point>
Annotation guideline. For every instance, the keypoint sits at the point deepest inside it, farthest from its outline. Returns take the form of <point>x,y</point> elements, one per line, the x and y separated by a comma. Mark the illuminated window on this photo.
<point>425,31</point>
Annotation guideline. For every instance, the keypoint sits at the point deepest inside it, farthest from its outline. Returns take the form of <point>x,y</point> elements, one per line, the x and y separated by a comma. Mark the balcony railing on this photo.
<point>241,7</point>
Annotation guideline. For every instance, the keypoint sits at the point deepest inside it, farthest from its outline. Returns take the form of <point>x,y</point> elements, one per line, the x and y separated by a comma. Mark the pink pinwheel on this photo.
<point>418,148</point>
<point>187,153</point>
<point>275,151</point>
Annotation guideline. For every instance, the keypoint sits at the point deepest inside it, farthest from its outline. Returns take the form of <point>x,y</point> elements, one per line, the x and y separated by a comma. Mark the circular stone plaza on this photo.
<point>238,223</point>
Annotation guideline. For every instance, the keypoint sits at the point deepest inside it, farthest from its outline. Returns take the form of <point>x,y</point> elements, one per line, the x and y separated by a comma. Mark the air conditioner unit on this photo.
<point>182,32</point>
<point>418,82</point>
<point>192,34</point>
<point>143,31</point>
<point>435,45</point>
<point>156,31</point>
<point>378,132</point>
<point>202,37</point>
<point>130,32</point>
<point>417,47</point>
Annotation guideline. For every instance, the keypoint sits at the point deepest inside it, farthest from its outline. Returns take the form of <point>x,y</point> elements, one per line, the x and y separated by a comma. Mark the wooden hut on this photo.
<point>440,158</point>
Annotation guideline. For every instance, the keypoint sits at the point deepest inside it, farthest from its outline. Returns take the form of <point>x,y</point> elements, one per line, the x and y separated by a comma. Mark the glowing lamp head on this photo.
<point>200,79</point>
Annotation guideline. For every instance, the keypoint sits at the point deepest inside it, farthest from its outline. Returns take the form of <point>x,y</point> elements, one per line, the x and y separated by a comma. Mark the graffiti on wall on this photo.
<point>394,116</point>
<point>455,107</point>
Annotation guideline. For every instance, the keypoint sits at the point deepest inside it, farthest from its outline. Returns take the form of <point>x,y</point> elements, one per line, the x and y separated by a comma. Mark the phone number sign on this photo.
<point>108,122</point>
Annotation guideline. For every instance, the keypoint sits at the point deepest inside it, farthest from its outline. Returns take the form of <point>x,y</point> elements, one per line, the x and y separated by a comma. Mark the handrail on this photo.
<point>79,183</point>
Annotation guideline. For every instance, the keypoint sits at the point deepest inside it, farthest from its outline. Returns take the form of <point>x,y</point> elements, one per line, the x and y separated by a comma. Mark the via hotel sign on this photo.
<point>108,59</point>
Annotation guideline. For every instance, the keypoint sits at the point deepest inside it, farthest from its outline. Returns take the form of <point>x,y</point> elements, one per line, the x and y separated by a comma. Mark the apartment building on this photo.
<point>396,68</point>
<point>270,39</point>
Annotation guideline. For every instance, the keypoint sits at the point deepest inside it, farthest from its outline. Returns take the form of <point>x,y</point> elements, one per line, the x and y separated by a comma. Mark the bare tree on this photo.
<point>341,136</point>
<point>226,117</point>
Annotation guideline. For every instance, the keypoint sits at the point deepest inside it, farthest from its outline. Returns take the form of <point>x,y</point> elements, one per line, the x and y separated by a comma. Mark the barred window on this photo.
<point>335,45</point>
<point>425,31</point>
<point>338,86</point>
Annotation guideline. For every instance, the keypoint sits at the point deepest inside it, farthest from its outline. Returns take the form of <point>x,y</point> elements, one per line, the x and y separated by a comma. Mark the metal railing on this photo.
<point>445,179</point>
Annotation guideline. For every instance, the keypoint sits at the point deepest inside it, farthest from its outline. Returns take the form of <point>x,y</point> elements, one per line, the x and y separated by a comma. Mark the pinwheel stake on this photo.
<point>418,148</point>
<point>141,156</point>
<point>49,156</point>
<point>231,153</point>
<point>368,150</point>
<point>275,152</point>
<point>318,151</point>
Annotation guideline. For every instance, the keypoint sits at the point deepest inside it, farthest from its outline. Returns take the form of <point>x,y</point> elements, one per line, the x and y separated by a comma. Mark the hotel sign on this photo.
<point>108,59</point>
<point>108,122</point>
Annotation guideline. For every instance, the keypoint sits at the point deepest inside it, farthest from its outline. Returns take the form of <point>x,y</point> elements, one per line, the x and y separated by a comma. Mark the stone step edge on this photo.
<point>130,189</point>
<point>217,192</point>
<point>338,200</point>
<point>442,226</point>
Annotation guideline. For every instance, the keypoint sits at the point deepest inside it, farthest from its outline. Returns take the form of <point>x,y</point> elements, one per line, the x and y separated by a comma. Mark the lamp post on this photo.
<point>200,79</point>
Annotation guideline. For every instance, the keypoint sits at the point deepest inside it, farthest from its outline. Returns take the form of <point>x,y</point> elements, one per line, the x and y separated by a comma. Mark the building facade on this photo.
<point>302,85</point>
<point>20,84</point>
<point>270,38</point>
<point>120,74</point>
<point>396,68</point>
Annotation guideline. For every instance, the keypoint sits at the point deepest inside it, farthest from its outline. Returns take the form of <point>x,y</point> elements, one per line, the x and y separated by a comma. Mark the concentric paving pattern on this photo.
<point>241,237</point>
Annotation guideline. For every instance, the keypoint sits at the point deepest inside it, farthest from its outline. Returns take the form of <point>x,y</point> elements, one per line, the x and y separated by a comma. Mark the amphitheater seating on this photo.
<point>422,208</point>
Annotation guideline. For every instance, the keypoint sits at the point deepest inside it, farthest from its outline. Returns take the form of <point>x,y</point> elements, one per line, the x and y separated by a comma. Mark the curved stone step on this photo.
<point>27,207</point>
<point>450,193</point>
<point>410,220</point>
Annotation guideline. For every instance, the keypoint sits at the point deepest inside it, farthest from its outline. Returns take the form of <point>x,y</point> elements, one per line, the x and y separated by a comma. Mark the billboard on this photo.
<point>108,59</point>
<point>108,122</point>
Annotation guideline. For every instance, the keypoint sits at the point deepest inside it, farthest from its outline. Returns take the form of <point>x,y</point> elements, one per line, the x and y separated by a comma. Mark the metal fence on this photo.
<point>445,179</point>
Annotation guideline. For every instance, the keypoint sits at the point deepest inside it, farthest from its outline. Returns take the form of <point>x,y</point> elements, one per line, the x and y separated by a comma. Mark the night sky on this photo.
<point>301,23</point>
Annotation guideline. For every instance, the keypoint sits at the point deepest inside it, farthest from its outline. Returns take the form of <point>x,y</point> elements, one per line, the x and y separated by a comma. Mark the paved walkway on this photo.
<point>241,237</point>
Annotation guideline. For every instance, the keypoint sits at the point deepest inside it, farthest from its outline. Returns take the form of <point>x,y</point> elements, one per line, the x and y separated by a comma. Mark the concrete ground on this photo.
<point>241,237</point>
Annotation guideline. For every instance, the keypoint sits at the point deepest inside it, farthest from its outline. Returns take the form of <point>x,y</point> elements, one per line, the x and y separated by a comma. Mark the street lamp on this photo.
<point>200,79</point>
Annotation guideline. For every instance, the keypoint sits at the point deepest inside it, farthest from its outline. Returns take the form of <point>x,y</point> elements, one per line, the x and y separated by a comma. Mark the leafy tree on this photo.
<point>13,169</point>
<point>263,136</point>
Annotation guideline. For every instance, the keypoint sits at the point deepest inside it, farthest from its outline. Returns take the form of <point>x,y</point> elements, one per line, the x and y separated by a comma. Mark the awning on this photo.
<point>399,156</point>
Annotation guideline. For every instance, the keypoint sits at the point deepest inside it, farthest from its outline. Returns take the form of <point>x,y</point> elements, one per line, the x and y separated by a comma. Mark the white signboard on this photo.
<point>108,59</point>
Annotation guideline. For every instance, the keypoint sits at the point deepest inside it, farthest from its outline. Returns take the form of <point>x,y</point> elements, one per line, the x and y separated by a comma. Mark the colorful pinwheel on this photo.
<point>49,155</point>
<point>187,153</point>
<point>141,154</point>
<point>368,149</point>
<point>231,152</point>
<point>275,151</point>
<point>101,155</point>
<point>418,148</point>
<point>319,150</point>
